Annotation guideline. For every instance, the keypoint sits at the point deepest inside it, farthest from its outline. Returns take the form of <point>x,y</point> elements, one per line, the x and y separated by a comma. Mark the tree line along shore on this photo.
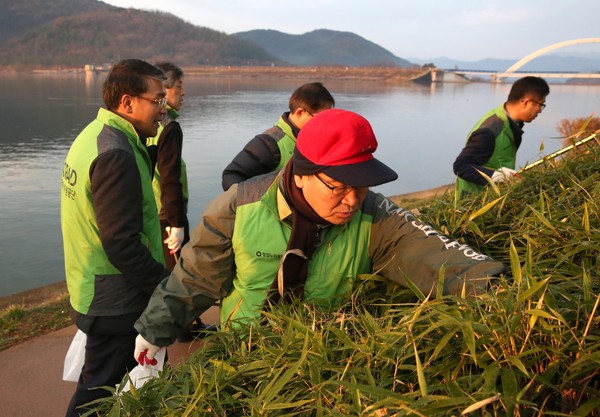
<point>382,74</point>
<point>326,72</point>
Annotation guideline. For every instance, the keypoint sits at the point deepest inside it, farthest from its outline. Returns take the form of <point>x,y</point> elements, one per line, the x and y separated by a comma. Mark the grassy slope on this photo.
<point>530,346</point>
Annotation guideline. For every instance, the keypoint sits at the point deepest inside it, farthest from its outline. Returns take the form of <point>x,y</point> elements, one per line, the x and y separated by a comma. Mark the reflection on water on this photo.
<point>420,130</point>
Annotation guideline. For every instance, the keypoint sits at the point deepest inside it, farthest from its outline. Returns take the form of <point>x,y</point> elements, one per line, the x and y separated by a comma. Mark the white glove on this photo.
<point>503,174</point>
<point>175,239</point>
<point>144,351</point>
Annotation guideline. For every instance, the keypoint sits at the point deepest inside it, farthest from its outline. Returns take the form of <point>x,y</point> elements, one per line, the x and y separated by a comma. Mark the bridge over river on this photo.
<point>497,77</point>
<point>458,75</point>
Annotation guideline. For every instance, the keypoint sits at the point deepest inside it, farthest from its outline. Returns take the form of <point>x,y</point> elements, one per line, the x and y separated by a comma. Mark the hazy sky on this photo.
<point>461,29</point>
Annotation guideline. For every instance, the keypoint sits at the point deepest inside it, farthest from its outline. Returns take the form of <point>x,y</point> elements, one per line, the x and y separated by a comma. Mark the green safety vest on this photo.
<point>169,117</point>
<point>260,239</point>
<point>86,262</point>
<point>286,143</point>
<point>504,155</point>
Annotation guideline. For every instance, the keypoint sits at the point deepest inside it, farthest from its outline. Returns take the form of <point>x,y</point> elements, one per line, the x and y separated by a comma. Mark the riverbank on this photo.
<point>380,74</point>
<point>418,198</point>
<point>35,297</point>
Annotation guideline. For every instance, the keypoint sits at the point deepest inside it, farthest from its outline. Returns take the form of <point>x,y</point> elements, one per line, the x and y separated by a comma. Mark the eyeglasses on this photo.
<point>161,102</point>
<point>309,112</point>
<point>339,190</point>
<point>542,105</point>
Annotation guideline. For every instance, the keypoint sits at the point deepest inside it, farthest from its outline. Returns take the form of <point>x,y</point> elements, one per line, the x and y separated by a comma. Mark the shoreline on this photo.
<point>35,297</point>
<point>386,74</point>
<point>381,74</point>
<point>49,293</point>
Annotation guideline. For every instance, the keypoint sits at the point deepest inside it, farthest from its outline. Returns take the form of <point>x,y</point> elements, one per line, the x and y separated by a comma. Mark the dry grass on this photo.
<point>20,321</point>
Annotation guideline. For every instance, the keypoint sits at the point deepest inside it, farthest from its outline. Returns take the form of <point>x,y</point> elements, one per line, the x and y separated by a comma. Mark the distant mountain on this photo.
<point>323,47</point>
<point>68,33</point>
<point>553,62</point>
<point>78,32</point>
<point>587,55</point>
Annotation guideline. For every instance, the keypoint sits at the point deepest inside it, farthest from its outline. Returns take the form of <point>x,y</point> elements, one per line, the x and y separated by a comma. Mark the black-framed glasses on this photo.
<point>542,105</point>
<point>309,112</point>
<point>338,190</point>
<point>161,102</point>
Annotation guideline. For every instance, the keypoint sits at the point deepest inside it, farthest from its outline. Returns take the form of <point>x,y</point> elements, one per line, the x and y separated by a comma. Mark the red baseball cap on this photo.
<point>340,144</point>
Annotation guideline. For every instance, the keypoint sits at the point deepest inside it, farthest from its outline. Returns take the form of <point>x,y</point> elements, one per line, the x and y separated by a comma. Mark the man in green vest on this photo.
<point>272,149</point>
<point>170,180</point>
<point>111,233</point>
<point>493,142</point>
<point>306,231</point>
<point>170,176</point>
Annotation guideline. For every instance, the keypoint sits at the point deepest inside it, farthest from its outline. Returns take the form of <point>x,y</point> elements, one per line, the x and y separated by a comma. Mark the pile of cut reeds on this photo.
<point>529,347</point>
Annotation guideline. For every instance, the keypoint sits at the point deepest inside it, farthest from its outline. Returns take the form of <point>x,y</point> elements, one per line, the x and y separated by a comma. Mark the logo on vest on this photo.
<point>69,180</point>
<point>260,254</point>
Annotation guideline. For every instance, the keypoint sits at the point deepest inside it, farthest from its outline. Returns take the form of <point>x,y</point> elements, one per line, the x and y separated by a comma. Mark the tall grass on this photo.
<point>528,347</point>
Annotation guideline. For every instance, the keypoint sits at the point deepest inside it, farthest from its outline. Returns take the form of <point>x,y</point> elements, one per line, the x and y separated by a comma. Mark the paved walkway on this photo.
<point>31,382</point>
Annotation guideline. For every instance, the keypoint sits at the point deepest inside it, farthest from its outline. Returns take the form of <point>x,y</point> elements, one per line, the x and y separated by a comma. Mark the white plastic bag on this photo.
<point>75,357</point>
<point>140,374</point>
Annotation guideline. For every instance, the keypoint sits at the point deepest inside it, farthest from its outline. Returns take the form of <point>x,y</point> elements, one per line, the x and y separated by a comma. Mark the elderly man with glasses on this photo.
<point>306,231</point>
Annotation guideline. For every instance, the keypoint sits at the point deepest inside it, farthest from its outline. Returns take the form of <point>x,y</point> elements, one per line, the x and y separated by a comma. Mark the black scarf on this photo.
<point>293,270</point>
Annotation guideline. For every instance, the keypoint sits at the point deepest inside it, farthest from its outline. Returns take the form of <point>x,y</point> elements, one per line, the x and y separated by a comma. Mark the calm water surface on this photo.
<point>420,130</point>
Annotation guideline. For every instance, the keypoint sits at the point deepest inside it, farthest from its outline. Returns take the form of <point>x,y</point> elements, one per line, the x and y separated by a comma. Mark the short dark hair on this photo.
<point>529,85</point>
<point>313,97</point>
<point>172,71</point>
<point>129,76</point>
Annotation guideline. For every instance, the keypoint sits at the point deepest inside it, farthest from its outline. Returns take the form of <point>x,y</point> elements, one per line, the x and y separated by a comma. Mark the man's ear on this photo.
<point>299,180</point>
<point>298,112</point>
<point>126,103</point>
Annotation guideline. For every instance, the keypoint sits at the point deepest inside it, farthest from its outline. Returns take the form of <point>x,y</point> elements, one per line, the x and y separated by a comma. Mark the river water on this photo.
<point>420,129</point>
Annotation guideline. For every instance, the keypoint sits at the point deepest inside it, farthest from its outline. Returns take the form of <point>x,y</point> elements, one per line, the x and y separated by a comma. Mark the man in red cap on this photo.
<point>306,231</point>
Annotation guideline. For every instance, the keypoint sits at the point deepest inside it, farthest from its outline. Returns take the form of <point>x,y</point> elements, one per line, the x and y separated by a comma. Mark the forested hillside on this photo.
<point>111,34</point>
<point>19,17</point>
<point>72,33</point>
